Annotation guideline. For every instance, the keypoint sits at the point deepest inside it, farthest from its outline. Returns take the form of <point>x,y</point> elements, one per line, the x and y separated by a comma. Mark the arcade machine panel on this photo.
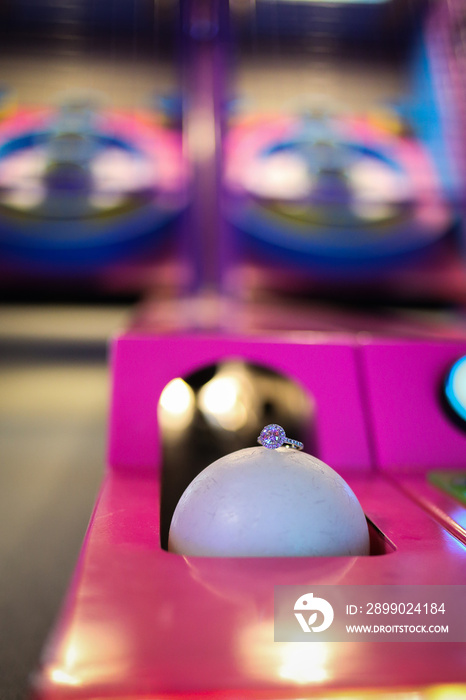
<point>130,627</point>
<point>93,179</point>
<point>339,175</point>
<point>421,449</point>
<point>140,621</point>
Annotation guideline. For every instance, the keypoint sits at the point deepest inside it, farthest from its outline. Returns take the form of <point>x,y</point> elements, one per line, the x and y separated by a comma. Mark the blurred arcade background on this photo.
<point>298,163</point>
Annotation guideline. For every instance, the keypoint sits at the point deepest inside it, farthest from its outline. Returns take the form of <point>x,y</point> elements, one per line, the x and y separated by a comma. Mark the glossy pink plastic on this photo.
<point>323,365</point>
<point>411,432</point>
<point>142,623</point>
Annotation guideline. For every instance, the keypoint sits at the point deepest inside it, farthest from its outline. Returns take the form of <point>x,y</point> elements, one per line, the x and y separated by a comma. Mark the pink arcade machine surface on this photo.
<point>141,622</point>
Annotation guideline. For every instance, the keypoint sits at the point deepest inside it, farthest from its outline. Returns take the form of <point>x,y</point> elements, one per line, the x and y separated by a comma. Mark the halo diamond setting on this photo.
<point>273,436</point>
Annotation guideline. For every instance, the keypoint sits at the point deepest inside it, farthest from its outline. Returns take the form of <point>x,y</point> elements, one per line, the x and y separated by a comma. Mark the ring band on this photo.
<point>273,436</point>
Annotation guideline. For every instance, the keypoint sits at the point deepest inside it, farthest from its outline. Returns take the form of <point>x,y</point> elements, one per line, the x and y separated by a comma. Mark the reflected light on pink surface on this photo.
<point>64,675</point>
<point>447,692</point>
<point>299,663</point>
<point>60,677</point>
<point>302,663</point>
<point>78,665</point>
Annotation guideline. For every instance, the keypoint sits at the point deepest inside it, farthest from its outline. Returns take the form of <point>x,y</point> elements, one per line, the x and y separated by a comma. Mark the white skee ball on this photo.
<point>259,502</point>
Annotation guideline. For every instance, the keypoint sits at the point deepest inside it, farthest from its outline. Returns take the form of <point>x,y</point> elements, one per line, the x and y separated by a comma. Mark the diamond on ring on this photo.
<point>273,436</point>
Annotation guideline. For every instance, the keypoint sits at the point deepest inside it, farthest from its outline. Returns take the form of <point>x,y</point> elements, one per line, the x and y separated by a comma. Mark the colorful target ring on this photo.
<point>83,188</point>
<point>339,190</point>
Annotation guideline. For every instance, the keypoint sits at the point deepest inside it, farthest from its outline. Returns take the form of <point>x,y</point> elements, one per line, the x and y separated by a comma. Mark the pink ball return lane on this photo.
<point>140,622</point>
